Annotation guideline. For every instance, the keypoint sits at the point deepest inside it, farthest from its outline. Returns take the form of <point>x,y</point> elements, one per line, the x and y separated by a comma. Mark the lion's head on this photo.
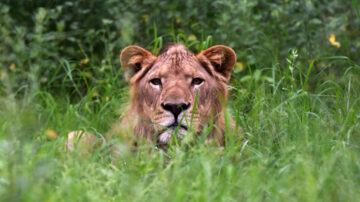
<point>177,89</point>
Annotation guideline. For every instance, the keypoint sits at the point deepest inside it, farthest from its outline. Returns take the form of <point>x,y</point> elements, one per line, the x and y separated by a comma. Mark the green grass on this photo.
<point>301,127</point>
<point>297,99</point>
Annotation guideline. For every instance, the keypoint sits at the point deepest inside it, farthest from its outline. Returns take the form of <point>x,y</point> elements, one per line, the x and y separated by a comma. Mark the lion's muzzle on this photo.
<point>176,125</point>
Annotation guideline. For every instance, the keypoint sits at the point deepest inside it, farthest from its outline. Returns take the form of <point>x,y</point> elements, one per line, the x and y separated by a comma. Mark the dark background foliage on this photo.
<point>295,92</point>
<point>69,45</point>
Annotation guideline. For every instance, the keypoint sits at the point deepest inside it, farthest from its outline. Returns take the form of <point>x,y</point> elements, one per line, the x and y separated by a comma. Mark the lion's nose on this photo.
<point>175,108</point>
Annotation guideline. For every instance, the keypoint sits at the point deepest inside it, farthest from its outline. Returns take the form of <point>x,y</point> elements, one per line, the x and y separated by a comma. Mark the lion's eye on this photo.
<point>156,81</point>
<point>197,81</point>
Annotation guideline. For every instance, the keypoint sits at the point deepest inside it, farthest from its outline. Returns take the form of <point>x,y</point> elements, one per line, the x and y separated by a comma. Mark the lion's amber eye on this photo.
<point>197,81</point>
<point>156,81</point>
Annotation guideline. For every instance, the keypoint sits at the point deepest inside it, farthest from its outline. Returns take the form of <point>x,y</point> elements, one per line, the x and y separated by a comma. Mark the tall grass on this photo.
<point>301,134</point>
<point>299,108</point>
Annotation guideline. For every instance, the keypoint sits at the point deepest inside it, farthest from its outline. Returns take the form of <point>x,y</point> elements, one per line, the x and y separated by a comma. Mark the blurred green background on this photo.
<point>43,40</point>
<point>295,91</point>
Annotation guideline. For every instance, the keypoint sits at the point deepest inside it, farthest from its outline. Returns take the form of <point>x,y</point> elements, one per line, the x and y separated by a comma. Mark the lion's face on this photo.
<point>177,90</point>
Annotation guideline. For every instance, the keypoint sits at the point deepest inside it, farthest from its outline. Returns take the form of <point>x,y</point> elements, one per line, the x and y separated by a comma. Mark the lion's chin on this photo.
<point>165,137</point>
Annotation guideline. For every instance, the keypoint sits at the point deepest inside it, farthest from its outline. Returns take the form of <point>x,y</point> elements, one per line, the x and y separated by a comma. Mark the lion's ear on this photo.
<point>222,58</point>
<point>135,59</point>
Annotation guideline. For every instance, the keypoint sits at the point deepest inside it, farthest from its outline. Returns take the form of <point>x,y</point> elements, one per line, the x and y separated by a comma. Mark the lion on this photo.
<point>173,93</point>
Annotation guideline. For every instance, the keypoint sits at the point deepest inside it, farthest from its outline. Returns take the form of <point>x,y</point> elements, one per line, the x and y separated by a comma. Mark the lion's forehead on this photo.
<point>170,67</point>
<point>167,70</point>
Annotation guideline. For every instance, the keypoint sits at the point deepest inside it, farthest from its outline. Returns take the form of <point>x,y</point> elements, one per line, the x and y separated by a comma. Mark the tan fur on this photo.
<point>151,113</point>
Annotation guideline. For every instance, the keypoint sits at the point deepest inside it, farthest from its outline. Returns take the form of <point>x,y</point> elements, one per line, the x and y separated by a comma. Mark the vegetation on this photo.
<point>295,91</point>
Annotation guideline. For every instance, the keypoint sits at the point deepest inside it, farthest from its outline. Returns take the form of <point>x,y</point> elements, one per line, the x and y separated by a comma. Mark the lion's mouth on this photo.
<point>176,125</point>
<point>175,128</point>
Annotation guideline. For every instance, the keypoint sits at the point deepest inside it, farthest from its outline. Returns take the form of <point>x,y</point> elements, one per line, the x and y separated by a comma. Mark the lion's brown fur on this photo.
<point>176,62</point>
<point>176,67</point>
